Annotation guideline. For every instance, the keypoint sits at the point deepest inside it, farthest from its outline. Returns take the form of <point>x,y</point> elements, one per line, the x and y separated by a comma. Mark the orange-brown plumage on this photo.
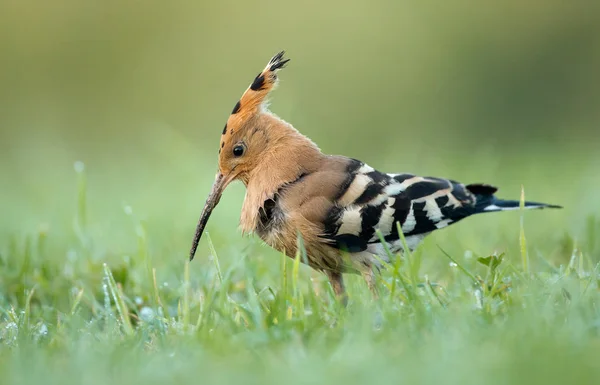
<point>337,204</point>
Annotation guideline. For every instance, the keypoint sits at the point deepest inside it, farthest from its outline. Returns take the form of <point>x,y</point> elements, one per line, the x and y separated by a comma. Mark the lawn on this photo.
<point>482,302</point>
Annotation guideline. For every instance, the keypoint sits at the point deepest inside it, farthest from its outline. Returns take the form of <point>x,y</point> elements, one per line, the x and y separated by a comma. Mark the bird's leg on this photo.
<point>337,283</point>
<point>369,277</point>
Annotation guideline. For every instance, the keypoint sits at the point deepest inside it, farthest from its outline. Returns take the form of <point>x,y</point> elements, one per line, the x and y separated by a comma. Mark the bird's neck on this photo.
<point>288,156</point>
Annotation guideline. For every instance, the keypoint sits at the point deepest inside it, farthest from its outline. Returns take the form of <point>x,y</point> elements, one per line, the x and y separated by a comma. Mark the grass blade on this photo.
<point>215,258</point>
<point>522,240</point>
<point>461,268</point>
<point>186,296</point>
<point>120,304</point>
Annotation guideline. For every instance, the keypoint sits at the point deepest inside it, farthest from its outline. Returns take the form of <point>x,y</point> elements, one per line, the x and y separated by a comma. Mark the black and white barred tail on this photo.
<point>372,200</point>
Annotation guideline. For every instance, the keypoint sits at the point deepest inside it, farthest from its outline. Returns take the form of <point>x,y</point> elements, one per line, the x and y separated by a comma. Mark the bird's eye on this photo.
<point>238,150</point>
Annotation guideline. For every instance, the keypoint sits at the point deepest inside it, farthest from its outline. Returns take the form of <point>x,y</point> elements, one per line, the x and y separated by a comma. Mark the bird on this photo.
<point>347,214</point>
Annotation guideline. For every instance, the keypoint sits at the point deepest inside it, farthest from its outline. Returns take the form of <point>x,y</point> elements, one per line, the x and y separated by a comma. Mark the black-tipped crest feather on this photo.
<point>277,62</point>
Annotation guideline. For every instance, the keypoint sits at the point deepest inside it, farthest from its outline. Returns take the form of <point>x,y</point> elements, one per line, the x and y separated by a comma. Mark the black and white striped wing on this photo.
<point>371,200</point>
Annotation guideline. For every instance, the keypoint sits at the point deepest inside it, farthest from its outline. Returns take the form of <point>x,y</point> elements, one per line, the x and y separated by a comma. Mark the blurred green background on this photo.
<point>504,93</point>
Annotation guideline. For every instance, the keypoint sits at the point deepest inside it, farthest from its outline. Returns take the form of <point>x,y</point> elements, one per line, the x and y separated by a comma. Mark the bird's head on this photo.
<point>250,133</point>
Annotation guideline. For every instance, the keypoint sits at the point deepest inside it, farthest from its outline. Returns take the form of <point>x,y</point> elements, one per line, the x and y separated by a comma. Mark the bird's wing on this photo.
<point>368,200</point>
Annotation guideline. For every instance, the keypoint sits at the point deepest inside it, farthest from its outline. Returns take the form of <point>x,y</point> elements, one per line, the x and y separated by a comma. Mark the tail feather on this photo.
<point>486,201</point>
<point>496,204</point>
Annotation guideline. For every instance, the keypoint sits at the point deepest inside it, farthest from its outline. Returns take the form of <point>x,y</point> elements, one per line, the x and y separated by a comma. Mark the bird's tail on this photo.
<point>497,204</point>
<point>486,201</point>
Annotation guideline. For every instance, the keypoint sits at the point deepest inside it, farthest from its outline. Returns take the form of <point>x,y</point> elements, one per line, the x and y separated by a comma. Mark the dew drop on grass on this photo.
<point>11,326</point>
<point>147,314</point>
<point>11,332</point>
<point>79,166</point>
<point>478,299</point>
<point>42,331</point>
<point>107,308</point>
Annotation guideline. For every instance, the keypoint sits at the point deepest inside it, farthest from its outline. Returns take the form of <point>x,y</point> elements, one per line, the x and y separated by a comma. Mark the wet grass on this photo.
<point>71,312</point>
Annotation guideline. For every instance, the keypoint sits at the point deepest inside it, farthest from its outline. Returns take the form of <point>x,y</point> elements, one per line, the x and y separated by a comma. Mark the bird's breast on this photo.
<point>271,220</point>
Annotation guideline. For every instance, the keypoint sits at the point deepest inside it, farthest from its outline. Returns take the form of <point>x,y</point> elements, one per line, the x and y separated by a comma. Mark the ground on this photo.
<point>74,311</point>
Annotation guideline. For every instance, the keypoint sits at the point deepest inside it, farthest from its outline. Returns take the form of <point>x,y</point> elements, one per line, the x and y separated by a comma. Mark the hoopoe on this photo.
<point>335,203</point>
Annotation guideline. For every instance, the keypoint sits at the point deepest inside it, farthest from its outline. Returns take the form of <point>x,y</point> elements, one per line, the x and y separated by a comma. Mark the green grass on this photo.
<point>73,312</point>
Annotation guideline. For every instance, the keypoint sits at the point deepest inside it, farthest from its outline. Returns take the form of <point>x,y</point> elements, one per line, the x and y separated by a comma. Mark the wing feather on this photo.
<point>373,200</point>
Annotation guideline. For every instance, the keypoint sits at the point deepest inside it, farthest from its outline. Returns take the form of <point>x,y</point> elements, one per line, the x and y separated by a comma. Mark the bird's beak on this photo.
<point>221,181</point>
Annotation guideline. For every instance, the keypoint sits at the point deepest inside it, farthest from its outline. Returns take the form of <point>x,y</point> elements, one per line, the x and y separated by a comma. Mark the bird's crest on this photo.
<point>253,101</point>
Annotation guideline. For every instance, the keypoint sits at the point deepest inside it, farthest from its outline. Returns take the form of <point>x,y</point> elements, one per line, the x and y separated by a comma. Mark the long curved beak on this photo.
<point>211,202</point>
